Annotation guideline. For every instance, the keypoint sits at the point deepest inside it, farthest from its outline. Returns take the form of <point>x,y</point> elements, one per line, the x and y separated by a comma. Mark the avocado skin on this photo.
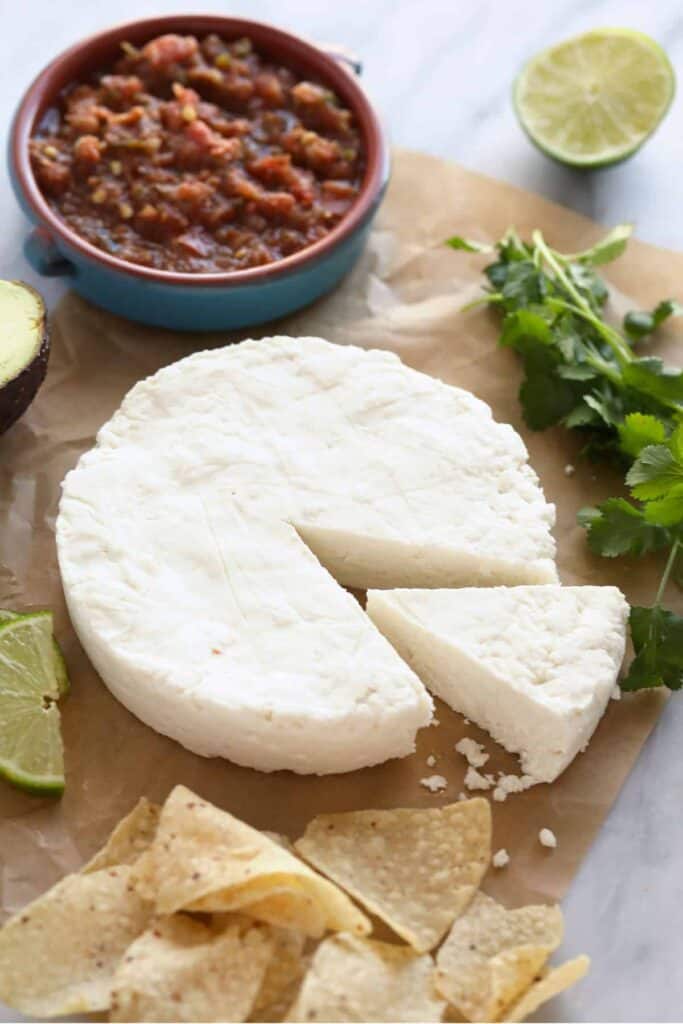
<point>17,394</point>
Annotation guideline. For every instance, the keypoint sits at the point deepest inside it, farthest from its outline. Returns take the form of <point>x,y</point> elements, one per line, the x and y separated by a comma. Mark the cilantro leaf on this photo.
<point>606,406</point>
<point>657,636</point>
<point>676,443</point>
<point>638,431</point>
<point>544,396</point>
<point>616,527</point>
<point>608,248</point>
<point>651,376</point>
<point>581,371</point>
<point>526,331</point>
<point>524,285</point>
<point>639,324</point>
<point>654,473</point>
<point>511,247</point>
<point>666,511</point>
<point>569,336</point>
<point>468,244</point>
<point>588,282</point>
<point>582,415</point>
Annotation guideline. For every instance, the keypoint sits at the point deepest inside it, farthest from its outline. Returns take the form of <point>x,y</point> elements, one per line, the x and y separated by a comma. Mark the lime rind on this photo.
<point>587,111</point>
<point>61,672</point>
<point>31,752</point>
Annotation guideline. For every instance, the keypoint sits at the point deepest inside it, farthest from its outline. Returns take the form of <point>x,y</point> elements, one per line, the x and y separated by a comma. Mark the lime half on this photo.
<point>31,753</point>
<point>60,665</point>
<point>594,99</point>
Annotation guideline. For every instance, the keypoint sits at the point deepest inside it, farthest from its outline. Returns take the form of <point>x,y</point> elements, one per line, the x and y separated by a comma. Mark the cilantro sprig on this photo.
<point>583,372</point>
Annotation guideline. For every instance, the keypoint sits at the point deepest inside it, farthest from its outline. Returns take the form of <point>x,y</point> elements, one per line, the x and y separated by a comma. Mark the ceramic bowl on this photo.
<point>185,301</point>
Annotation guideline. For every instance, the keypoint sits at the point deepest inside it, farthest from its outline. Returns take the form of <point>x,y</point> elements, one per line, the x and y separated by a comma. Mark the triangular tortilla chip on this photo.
<point>58,956</point>
<point>353,979</point>
<point>417,869</point>
<point>283,976</point>
<point>183,970</point>
<point>492,955</point>
<point>204,859</point>
<point>554,981</point>
<point>280,839</point>
<point>131,837</point>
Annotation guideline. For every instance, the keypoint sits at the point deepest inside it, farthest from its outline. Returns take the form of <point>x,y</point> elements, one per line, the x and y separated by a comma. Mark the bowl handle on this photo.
<point>44,256</point>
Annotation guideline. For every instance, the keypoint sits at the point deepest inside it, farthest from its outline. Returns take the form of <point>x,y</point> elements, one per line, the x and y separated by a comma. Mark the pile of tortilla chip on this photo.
<point>188,914</point>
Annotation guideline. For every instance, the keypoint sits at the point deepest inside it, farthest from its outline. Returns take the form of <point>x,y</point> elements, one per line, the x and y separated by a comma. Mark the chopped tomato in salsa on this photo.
<point>198,156</point>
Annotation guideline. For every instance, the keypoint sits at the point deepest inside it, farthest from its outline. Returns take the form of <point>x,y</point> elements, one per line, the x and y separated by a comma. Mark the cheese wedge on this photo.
<point>203,540</point>
<point>533,665</point>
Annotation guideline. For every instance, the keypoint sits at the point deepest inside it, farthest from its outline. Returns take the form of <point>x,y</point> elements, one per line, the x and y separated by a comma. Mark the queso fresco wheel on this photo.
<point>191,540</point>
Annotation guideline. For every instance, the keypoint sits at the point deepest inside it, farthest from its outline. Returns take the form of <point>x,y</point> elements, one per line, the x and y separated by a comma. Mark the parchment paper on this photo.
<point>406,296</point>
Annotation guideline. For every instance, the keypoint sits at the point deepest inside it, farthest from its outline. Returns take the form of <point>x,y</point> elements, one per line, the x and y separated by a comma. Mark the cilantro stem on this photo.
<point>612,337</point>
<point>489,299</point>
<point>582,307</point>
<point>603,367</point>
<point>550,258</point>
<point>667,571</point>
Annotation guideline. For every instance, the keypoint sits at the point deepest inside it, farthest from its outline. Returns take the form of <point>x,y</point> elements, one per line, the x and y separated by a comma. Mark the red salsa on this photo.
<point>198,156</point>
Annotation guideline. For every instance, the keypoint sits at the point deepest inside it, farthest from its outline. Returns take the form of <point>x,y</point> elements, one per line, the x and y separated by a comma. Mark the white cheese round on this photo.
<point>191,539</point>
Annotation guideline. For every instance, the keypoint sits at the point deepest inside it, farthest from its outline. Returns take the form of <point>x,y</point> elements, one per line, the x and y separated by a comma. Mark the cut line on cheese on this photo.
<point>533,665</point>
<point>203,540</point>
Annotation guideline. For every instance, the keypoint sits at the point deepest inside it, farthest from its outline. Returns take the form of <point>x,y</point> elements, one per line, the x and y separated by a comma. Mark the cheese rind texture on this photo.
<point>199,543</point>
<point>533,665</point>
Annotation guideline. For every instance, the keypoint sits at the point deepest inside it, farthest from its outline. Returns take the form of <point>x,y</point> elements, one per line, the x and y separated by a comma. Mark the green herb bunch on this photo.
<point>582,372</point>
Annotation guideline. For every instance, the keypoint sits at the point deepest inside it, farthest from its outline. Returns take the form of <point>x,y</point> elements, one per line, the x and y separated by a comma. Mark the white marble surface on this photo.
<point>440,72</point>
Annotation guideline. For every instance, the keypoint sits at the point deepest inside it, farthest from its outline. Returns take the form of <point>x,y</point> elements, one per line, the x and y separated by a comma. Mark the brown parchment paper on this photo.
<point>405,295</point>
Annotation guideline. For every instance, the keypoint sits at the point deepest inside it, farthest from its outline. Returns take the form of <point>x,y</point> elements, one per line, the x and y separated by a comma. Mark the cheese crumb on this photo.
<point>511,784</point>
<point>462,796</point>
<point>569,470</point>
<point>501,858</point>
<point>472,751</point>
<point>431,761</point>
<point>547,838</point>
<point>475,780</point>
<point>435,721</point>
<point>434,783</point>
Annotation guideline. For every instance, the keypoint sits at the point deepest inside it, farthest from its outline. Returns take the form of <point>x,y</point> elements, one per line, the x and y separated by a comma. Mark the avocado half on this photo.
<point>24,349</point>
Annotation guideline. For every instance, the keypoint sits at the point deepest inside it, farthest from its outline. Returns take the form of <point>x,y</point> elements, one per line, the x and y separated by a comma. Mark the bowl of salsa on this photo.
<point>197,172</point>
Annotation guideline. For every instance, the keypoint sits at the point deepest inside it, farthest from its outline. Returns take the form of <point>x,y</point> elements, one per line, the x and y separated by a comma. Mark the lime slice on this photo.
<point>31,754</point>
<point>61,673</point>
<point>594,99</point>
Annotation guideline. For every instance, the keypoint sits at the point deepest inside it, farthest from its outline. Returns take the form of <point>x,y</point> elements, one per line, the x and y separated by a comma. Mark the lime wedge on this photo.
<point>61,673</point>
<point>594,99</point>
<point>31,754</point>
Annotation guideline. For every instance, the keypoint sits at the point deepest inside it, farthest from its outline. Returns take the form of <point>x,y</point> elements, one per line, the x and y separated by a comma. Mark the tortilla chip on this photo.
<point>280,839</point>
<point>417,869</point>
<point>290,909</point>
<point>203,859</point>
<point>131,837</point>
<point>183,970</point>
<point>554,981</point>
<point>353,979</point>
<point>58,956</point>
<point>283,976</point>
<point>493,955</point>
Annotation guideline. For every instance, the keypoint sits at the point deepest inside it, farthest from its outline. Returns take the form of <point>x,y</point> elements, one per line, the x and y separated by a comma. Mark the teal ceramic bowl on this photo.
<point>184,301</point>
